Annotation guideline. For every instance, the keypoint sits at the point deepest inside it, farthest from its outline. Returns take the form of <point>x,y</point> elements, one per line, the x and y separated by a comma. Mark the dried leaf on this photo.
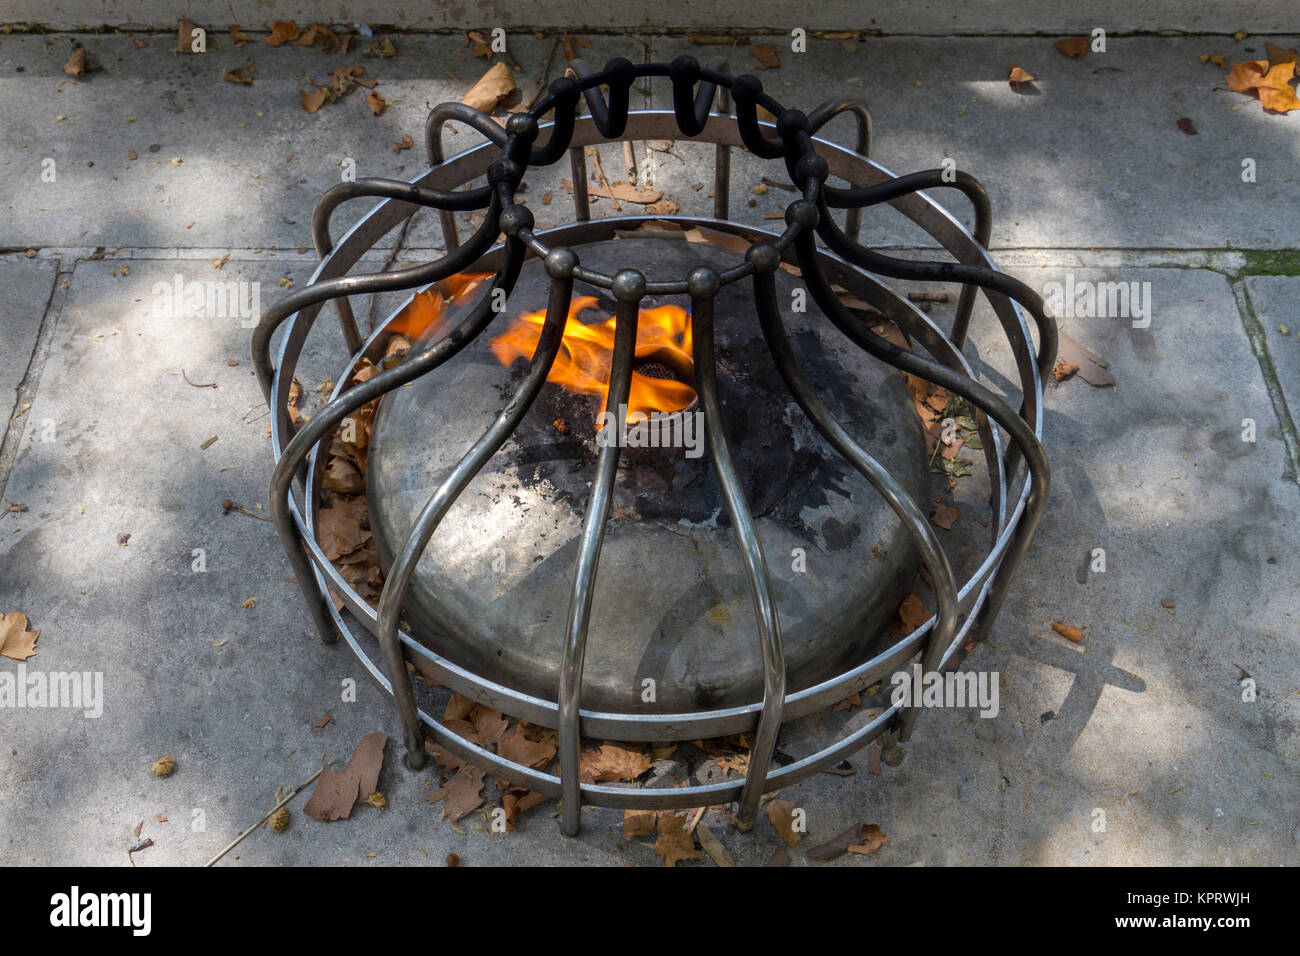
<point>912,614</point>
<point>185,37</point>
<point>711,845</point>
<point>312,100</point>
<point>1074,46</point>
<point>780,813</point>
<point>1063,370</point>
<point>239,74</point>
<point>1068,631</point>
<point>493,89</point>
<point>1271,84</point>
<point>1018,76</point>
<point>1092,369</point>
<point>339,530</point>
<point>1186,125</point>
<point>612,762</point>
<point>766,55</point>
<point>464,792</point>
<point>16,642</point>
<point>406,143</point>
<point>376,103</point>
<point>283,31</point>
<point>239,36</point>
<point>335,793</point>
<point>943,515</point>
<point>1277,54</point>
<point>515,746</point>
<point>873,838</point>
<point>839,845</point>
<point>674,843</point>
<point>76,64</point>
<point>626,192</point>
<point>638,823</point>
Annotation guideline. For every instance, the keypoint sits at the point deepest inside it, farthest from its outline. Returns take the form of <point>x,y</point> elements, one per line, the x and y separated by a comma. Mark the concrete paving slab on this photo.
<point>1090,156</point>
<point>25,287</point>
<point>218,163</point>
<point>1146,719</point>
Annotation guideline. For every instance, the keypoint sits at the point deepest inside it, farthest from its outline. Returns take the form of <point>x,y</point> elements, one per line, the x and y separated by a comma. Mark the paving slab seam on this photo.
<point>15,417</point>
<point>661,32</point>
<point>1255,333</point>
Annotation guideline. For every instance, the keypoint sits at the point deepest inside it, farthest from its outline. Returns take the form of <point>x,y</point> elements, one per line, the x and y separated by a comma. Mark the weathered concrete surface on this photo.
<point>1092,156</point>
<point>25,287</point>
<point>1144,720</point>
<point>1273,299</point>
<point>925,17</point>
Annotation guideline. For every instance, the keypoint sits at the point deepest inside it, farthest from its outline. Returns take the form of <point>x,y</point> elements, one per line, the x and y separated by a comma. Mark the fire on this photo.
<point>663,337</point>
<point>427,307</point>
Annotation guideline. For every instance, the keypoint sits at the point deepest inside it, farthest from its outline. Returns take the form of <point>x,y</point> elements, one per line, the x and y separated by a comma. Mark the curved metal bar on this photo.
<point>822,115</point>
<point>404,562</point>
<point>609,116</point>
<point>457,200</point>
<point>450,264</point>
<point>564,95</point>
<point>1019,430</point>
<point>474,119</point>
<point>440,199</point>
<point>746,92</point>
<point>924,270</point>
<point>913,182</point>
<point>629,288</point>
<point>913,519</point>
<point>705,284</point>
<point>332,415</point>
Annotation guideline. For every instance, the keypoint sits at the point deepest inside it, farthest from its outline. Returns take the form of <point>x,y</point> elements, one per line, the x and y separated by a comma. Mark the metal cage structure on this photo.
<point>712,107</point>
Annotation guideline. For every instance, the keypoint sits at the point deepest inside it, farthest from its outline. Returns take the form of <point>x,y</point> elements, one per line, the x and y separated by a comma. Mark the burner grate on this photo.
<point>1017,467</point>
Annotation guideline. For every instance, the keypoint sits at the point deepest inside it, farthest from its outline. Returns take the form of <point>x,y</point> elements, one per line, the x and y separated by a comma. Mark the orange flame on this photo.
<point>427,306</point>
<point>582,365</point>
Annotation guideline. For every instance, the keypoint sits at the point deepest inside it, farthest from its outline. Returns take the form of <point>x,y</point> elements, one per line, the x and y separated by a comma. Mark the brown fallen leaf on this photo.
<point>1074,46</point>
<point>1272,84</point>
<point>912,614</point>
<point>612,762</point>
<point>335,793</point>
<point>282,31</point>
<point>873,838</point>
<point>674,843</point>
<point>711,845</point>
<point>626,192</point>
<point>1092,369</point>
<point>494,88</point>
<point>515,804</point>
<point>323,721</point>
<point>943,515</point>
<point>638,823</point>
<point>464,792</point>
<point>340,530</point>
<point>16,642</point>
<point>1063,370</point>
<point>239,36</point>
<point>780,813</point>
<point>240,74</point>
<point>376,103</point>
<point>1018,76</point>
<point>312,100</point>
<point>1186,125</point>
<point>766,55</point>
<point>1277,54</point>
<point>76,64</point>
<point>515,746</point>
<point>839,845</point>
<point>1068,631</point>
<point>406,143</point>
